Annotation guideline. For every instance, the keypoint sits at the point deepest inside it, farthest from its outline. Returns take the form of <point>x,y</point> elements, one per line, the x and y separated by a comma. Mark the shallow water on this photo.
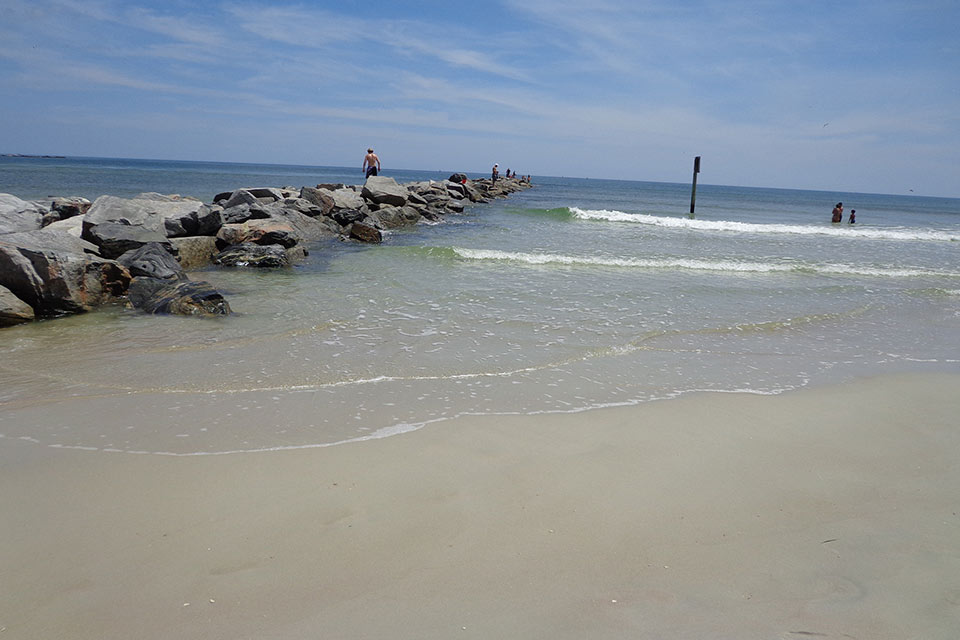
<point>572,295</point>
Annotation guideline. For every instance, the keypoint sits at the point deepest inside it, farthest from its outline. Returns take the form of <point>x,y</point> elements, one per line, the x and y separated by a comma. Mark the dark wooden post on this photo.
<point>693,193</point>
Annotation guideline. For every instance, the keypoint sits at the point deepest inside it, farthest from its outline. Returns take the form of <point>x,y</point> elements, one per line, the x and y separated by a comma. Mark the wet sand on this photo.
<point>826,512</point>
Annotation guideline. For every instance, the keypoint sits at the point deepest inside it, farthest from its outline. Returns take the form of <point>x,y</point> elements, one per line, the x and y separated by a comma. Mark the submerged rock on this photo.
<point>365,233</point>
<point>253,255</point>
<point>179,297</point>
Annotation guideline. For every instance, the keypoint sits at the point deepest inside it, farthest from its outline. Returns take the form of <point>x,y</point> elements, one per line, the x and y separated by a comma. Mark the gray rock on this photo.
<point>203,221</point>
<point>411,214</point>
<point>415,199</point>
<point>180,297</point>
<point>303,206</point>
<point>243,212</point>
<point>268,193</point>
<point>436,199</point>
<point>73,226</point>
<point>13,310</point>
<point>235,198</point>
<point>345,217</point>
<point>153,195</point>
<point>111,209</point>
<point>320,197</point>
<point>455,189</point>
<point>393,217</point>
<point>19,215</point>
<point>115,239</point>
<point>63,208</point>
<point>51,238</point>
<point>384,190</point>
<point>346,199</point>
<point>186,216</point>
<point>151,260</point>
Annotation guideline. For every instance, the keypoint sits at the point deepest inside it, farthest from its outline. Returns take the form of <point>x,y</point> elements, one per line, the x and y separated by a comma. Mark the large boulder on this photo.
<point>455,189</point>
<point>346,198</point>
<point>392,217</point>
<point>415,199</point>
<point>151,260</point>
<point>114,239</point>
<point>384,190</point>
<point>172,217</point>
<point>73,226</point>
<point>54,280</point>
<point>365,233</point>
<point>243,212</point>
<point>64,208</point>
<point>235,198</point>
<point>179,296</point>
<point>345,217</point>
<point>202,221</point>
<point>19,215</point>
<point>319,197</point>
<point>249,195</point>
<point>50,238</point>
<point>269,231</point>
<point>13,310</point>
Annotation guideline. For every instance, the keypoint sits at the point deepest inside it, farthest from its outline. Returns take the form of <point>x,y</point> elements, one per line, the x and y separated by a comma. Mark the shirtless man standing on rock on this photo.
<point>371,164</point>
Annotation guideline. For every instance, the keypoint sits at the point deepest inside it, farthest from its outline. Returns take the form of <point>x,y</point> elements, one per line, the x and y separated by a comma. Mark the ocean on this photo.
<point>575,294</point>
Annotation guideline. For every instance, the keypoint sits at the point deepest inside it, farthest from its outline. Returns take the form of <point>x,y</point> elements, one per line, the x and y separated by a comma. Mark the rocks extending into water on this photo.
<point>61,256</point>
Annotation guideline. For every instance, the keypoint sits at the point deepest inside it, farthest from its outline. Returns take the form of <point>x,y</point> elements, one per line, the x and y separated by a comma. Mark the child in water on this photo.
<point>853,216</point>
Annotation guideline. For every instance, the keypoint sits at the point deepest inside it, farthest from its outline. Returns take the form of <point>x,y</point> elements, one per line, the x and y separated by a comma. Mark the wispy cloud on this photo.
<point>592,81</point>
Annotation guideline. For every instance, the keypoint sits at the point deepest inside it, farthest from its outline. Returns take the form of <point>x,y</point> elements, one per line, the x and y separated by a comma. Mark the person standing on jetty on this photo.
<point>838,213</point>
<point>495,173</point>
<point>371,164</point>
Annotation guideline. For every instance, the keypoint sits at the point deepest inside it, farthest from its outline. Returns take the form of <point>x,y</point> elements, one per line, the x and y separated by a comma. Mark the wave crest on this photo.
<point>729,266</point>
<point>848,231</point>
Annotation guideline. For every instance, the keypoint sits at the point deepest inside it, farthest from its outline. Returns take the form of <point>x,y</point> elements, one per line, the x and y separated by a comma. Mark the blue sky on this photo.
<point>853,96</point>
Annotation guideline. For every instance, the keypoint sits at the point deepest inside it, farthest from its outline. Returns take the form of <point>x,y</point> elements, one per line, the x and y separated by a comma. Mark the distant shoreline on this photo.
<point>27,155</point>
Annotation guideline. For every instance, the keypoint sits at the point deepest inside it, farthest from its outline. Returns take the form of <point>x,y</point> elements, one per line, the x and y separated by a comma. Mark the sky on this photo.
<point>827,95</point>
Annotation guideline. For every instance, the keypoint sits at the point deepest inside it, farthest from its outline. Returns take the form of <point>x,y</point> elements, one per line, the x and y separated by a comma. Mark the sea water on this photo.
<point>572,295</point>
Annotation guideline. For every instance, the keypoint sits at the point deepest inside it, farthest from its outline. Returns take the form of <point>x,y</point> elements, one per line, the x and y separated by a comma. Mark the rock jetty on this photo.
<point>67,255</point>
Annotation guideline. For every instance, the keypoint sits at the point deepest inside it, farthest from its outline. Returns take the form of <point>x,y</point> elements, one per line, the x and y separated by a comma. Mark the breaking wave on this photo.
<point>846,231</point>
<point>729,266</point>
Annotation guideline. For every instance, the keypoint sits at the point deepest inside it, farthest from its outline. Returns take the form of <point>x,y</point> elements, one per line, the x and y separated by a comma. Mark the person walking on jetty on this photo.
<point>838,213</point>
<point>371,164</point>
<point>495,173</point>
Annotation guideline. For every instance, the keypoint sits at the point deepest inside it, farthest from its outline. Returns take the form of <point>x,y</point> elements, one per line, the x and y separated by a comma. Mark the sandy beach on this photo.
<point>828,512</point>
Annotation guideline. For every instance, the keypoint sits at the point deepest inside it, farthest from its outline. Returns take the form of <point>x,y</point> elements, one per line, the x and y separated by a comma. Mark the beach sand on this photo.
<point>821,513</point>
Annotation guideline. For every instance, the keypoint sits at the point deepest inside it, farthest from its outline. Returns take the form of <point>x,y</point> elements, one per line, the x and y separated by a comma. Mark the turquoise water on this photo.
<point>572,295</point>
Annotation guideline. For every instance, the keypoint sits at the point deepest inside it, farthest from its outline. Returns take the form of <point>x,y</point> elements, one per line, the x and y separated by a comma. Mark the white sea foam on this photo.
<point>740,266</point>
<point>844,231</point>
